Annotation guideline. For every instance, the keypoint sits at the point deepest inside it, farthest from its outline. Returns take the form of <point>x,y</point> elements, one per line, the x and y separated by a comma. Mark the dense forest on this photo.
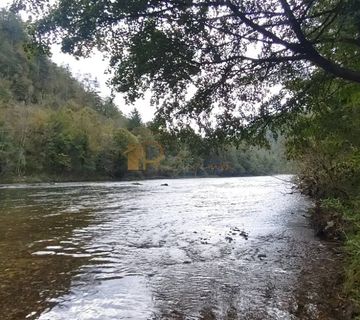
<point>55,127</point>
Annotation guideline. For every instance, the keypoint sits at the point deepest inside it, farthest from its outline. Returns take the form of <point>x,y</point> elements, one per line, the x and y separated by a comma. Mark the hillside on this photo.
<point>54,127</point>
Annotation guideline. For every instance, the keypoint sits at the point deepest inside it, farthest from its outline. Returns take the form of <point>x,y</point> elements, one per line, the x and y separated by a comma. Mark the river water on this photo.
<point>211,248</point>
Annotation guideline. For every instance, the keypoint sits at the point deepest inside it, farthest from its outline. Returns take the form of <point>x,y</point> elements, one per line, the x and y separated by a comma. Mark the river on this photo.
<point>210,248</point>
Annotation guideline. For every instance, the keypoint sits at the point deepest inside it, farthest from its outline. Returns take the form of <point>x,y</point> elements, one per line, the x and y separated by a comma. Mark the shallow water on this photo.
<point>212,248</point>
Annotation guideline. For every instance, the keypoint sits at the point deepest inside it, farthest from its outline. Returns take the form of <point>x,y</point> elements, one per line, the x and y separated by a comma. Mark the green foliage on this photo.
<point>50,123</point>
<point>53,125</point>
<point>190,154</point>
<point>60,142</point>
<point>214,63</point>
<point>349,213</point>
<point>34,79</point>
<point>135,120</point>
<point>325,141</point>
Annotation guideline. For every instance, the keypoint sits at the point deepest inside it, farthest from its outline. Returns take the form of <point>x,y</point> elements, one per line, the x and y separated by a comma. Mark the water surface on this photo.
<point>212,248</point>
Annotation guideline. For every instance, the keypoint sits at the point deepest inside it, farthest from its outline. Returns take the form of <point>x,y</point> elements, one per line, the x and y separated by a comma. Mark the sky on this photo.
<point>96,67</point>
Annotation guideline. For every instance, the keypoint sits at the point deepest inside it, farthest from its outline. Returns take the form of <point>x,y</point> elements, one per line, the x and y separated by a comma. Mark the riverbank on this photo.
<point>339,221</point>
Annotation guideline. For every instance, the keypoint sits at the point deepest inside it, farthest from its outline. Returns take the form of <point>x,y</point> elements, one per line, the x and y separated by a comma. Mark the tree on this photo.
<point>326,142</point>
<point>227,53</point>
<point>134,120</point>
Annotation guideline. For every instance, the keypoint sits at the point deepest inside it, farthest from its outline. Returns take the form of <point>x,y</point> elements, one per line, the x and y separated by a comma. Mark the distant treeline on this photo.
<point>53,126</point>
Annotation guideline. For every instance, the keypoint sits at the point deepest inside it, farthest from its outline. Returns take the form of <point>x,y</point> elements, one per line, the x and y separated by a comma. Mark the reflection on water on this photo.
<point>226,248</point>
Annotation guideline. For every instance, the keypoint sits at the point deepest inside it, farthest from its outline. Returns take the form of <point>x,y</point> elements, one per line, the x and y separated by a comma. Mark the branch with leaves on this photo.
<point>211,61</point>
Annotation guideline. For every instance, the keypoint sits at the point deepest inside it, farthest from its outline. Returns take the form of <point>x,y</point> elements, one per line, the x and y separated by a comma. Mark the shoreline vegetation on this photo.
<point>336,220</point>
<point>330,225</point>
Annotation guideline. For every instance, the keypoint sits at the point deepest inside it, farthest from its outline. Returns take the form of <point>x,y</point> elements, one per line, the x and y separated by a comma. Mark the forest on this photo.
<point>56,127</point>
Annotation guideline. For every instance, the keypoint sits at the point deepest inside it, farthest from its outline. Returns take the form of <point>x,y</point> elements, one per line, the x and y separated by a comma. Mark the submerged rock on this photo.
<point>244,234</point>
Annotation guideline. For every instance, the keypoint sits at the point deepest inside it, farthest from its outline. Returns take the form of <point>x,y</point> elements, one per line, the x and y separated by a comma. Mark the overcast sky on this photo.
<point>95,66</point>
